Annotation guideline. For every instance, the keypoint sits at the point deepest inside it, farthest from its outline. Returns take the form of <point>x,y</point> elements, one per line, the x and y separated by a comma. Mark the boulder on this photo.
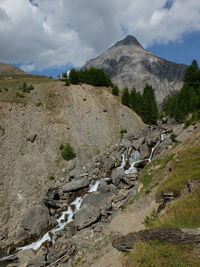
<point>117,155</point>
<point>98,200</point>
<point>116,176</point>
<point>109,163</point>
<point>125,180</point>
<point>86,216</point>
<point>91,208</point>
<point>162,146</point>
<point>37,220</point>
<point>113,189</point>
<point>144,151</point>
<point>103,187</point>
<point>76,185</point>
<point>137,143</point>
<point>185,134</point>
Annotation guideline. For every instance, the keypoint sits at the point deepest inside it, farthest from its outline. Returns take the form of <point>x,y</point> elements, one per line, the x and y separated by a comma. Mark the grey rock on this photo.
<point>113,189</point>
<point>185,134</point>
<point>37,220</point>
<point>117,155</point>
<point>86,216</point>
<point>91,208</point>
<point>109,163</point>
<point>125,180</point>
<point>119,198</point>
<point>98,199</point>
<point>103,187</point>
<point>70,228</point>
<point>144,151</point>
<point>137,143</point>
<point>116,176</point>
<point>75,185</point>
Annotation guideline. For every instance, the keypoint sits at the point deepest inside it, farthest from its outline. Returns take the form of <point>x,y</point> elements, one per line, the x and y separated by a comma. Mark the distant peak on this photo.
<point>129,40</point>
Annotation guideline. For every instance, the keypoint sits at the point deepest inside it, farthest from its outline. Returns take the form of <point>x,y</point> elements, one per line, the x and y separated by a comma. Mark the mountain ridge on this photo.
<point>130,65</point>
<point>10,69</point>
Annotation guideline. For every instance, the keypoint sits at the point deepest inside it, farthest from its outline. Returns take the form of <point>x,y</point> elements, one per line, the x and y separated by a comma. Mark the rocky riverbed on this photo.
<point>81,207</point>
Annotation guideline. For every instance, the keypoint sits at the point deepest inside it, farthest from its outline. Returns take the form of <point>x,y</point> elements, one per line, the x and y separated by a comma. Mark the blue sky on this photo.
<point>49,37</point>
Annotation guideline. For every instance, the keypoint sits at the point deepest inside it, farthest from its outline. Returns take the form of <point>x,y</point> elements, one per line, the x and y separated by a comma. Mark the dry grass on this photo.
<point>157,254</point>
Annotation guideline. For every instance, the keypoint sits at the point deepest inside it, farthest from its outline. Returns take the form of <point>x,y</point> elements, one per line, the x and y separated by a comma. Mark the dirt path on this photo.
<point>128,220</point>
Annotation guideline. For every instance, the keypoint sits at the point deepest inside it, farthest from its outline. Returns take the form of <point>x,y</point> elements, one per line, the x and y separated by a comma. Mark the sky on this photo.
<point>52,36</point>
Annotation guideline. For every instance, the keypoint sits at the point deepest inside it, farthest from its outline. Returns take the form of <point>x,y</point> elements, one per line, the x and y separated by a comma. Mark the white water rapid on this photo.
<point>135,156</point>
<point>72,209</point>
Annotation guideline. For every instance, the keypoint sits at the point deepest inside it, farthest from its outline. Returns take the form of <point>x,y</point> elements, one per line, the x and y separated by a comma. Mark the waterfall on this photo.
<point>50,236</point>
<point>135,156</point>
<point>94,186</point>
<point>123,163</point>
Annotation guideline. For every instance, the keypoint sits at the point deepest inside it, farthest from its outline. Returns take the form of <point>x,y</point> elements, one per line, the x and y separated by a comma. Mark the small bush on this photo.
<point>115,90</point>
<point>38,104</point>
<point>67,152</point>
<point>25,88</point>
<point>149,220</point>
<point>173,137</point>
<point>122,132</point>
<point>19,95</point>
<point>67,82</point>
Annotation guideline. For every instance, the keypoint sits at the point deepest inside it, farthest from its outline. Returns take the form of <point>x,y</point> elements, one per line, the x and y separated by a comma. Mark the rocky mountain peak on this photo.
<point>130,65</point>
<point>129,40</point>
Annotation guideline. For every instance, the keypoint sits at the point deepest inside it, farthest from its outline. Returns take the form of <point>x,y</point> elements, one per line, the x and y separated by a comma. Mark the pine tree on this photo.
<point>115,90</point>
<point>188,99</point>
<point>133,99</point>
<point>150,112</point>
<point>125,97</point>
<point>74,76</point>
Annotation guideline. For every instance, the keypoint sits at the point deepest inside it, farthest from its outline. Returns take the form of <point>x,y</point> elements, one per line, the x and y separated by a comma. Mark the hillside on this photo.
<point>34,124</point>
<point>130,65</point>
<point>9,69</point>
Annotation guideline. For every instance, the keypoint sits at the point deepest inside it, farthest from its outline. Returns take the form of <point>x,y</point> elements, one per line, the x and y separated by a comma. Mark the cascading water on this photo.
<point>94,186</point>
<point>135,156</point>
<point>72,209</point>
<point>123,163</point>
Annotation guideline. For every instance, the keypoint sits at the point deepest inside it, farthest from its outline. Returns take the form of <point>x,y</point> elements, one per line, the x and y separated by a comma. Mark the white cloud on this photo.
<point>45,33</point>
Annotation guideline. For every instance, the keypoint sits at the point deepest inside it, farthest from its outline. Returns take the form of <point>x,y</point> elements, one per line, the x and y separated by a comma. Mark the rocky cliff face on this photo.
<point>130,65</point>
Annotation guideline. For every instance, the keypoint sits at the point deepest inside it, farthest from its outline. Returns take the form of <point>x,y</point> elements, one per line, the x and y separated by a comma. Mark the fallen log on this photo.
<point>173,235</point>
